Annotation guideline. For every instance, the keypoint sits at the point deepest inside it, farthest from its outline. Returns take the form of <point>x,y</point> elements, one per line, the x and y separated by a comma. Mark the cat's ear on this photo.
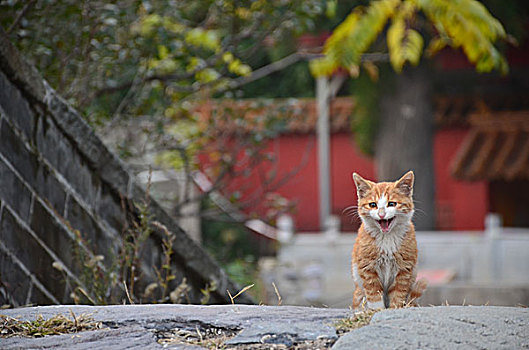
<point>405,183</point>
<point>362,185</point>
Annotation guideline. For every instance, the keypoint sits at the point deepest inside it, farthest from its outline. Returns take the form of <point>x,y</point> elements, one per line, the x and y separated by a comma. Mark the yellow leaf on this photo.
<point>163,52</point>
<point>435,45</point>
<point>414,47</point>
<point>243,13</point>
<point>394,38</point>
<point>324,66</point>
<point>227,57</point>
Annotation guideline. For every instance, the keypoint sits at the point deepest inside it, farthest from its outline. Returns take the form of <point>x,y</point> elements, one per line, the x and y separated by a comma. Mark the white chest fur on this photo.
<point>387,269</point>
<point>386,265</point>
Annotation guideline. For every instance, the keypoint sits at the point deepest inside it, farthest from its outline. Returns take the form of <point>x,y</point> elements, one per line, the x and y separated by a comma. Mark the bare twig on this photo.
<point>27,7</point>
<point>128,295</point>
<point>232,298</point>
<point>85,293</point>
<point>279,299</point>
<point>271,68</point>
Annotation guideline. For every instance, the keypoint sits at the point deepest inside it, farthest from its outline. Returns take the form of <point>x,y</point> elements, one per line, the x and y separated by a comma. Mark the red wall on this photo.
<point>296,154</point>
<point>295,150</point>
<point>461,205</point>
<point>346,159</point>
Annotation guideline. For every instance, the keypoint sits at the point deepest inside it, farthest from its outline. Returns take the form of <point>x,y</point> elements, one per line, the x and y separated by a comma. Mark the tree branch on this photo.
<point>20,15</point>
<point>237,82</point>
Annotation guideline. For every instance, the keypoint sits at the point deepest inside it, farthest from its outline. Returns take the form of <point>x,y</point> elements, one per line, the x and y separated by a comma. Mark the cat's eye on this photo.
<point>372,205</point>
<point>392,204</point>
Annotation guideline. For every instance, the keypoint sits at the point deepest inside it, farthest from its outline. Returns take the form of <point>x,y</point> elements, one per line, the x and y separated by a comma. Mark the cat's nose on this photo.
<point>381,214</point>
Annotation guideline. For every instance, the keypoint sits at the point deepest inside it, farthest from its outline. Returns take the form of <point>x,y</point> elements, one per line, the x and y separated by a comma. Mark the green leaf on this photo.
<point>404,43</point>
<point>468,25</point>
<point>207,39</point>
<point>354,36</point>
<point>461,24</point>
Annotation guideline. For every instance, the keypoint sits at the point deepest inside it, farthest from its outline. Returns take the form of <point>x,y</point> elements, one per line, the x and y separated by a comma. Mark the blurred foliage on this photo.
<point>364,121</point>
<point>134,58</point>
<point>294,81</point>
<point>514,16</point>
<point>159,60</point>
<point>407,29</point>
<point>465,25</point>
<point>139,57</point>
<point>233,248</point>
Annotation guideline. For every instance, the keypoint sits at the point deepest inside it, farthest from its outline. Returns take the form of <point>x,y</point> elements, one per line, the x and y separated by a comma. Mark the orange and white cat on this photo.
<point>384,255</point>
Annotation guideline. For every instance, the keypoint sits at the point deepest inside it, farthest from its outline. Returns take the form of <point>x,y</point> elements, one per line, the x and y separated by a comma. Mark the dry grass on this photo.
<point>40,327</point>
<point>240,292</point>
<point>209,338</point>
<point>357,320</point>
<point>215,338</point>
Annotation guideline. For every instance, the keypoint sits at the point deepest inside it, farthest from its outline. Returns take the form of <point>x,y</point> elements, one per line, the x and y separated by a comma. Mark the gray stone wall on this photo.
<point>56,178</point>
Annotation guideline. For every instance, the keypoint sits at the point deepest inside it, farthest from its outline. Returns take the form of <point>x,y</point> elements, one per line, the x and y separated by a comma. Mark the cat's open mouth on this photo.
<point>384,224</point>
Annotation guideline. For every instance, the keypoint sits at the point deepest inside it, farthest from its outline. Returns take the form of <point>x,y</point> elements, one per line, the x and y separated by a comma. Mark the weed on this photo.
<point>98,284</point>
<point>357,320</point>
<point>164,274</point>
<point>180,292</point>
<point>206,292</point>
<point>132,247</point>
<point>40,327</point>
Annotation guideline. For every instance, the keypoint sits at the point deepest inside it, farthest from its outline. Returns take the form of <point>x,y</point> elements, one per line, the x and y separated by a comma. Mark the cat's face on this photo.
<point>385,205</point>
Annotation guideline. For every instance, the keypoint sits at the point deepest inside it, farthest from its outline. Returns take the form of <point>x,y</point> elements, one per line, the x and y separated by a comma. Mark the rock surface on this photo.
<point>139,326</point>
<point>263,327</point>
<point>443,327</point>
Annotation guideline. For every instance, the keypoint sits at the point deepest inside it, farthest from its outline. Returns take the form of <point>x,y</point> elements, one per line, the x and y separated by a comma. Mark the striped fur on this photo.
<point>384,255</point>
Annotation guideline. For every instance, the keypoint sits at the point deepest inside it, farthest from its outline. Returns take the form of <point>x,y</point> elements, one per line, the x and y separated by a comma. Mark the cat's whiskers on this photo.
<point>354,216</point>
<point>352,208</point>
<point>352,212</point>
<point>420,211</point>
<point>417,208</point>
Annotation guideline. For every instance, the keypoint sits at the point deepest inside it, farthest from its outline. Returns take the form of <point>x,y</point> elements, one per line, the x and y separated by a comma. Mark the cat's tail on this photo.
<point>416,290</point>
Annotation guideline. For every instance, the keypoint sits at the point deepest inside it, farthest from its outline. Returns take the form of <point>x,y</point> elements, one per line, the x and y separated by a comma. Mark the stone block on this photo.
<point>13,148</point>
<point>110,168</point>
<point>73,124</point>
<point>61,153</point>
<point>18,288</point>
<point>50,230</point>
<point>16,108</point>
<point>31,254</point>
<point>114,173</point>
<point>13,191</point>
<point>99,241</point>
<point>14,282</point>
<point>37,175</point>
<point>110,208</point>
